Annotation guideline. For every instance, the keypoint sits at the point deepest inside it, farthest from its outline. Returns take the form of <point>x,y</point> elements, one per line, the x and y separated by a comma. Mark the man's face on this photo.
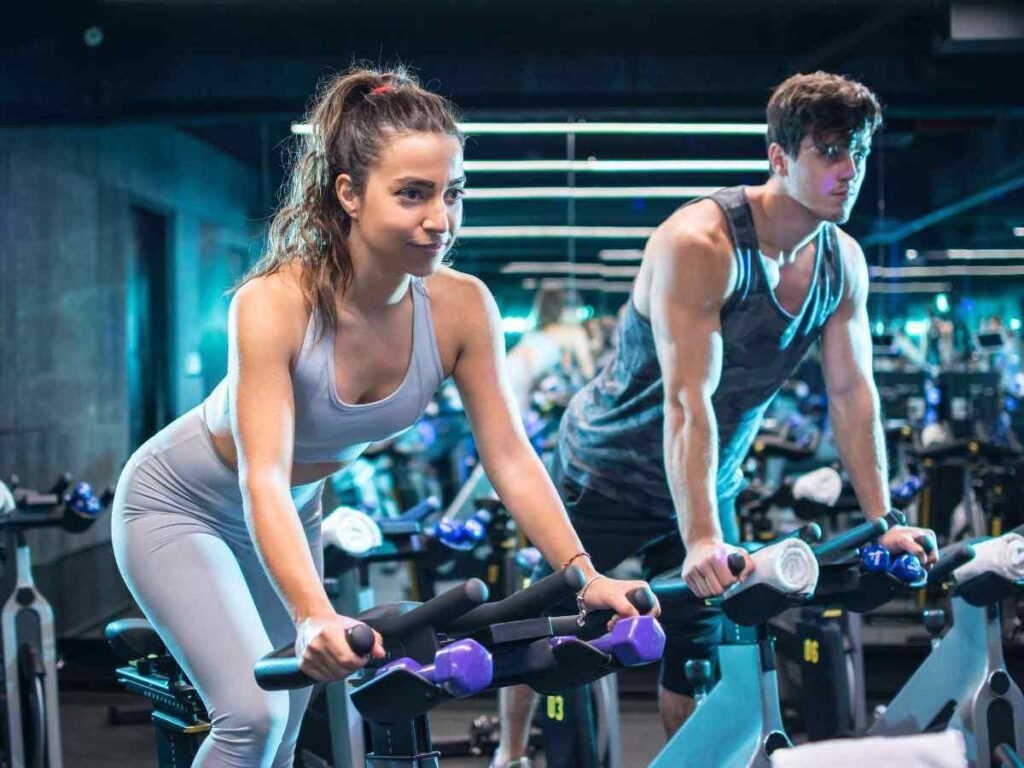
<point>826,174</point>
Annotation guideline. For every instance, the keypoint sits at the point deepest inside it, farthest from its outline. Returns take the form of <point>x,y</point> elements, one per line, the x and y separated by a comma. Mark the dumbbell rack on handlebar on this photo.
<point>30,735</point>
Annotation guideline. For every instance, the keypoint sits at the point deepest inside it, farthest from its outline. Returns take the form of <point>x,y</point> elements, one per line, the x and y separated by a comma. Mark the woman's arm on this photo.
<point>262,344</point>
<point>265,334</point>
<point>512,466</point>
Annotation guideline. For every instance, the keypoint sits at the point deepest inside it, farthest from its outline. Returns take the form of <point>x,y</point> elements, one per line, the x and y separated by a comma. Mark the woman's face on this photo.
<point>410,210</point>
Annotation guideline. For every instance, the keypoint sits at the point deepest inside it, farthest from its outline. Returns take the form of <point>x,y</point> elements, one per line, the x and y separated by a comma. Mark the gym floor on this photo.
<point>90,741</point>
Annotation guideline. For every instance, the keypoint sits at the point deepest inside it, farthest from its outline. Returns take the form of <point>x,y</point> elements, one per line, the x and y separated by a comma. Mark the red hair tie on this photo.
<point>382,89</point>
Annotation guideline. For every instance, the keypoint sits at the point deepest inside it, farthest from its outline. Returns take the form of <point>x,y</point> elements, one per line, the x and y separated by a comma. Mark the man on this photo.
<point>732,291</point>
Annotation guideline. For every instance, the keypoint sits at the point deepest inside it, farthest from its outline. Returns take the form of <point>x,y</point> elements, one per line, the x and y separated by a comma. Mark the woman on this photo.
<point>338,337</point>
<point>552,346</point>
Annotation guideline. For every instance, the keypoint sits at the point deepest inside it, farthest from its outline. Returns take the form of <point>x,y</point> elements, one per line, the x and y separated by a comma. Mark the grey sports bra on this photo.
<point>329,430</point>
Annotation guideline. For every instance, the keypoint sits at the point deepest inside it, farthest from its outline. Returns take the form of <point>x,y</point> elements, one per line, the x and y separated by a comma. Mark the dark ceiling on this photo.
<point>236,74</point>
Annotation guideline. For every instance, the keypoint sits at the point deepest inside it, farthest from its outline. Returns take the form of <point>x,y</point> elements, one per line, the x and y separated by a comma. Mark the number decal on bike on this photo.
<point>811,651</point>
<point>556,708</point>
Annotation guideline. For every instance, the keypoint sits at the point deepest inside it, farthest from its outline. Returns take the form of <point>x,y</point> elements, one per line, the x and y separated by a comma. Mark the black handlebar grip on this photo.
<point>894,517</point>
<point>642,598</point>
<point>279,670</point>
<point>525,604</point>
<point>438,612</point>
<point>736,563</point>
<point>853,538</point>
<point>360,639</point>
<point>951,559</point>
<point>108,496</point>
<point>595,622</point>
<point>62,484</point>
<point>425,508</point>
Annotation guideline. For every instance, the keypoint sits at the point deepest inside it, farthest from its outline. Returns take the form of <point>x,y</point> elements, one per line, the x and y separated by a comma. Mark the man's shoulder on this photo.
<point>700,227</point>
<point>848,245</point>
<point>693,251</point>
<point>854,265</point>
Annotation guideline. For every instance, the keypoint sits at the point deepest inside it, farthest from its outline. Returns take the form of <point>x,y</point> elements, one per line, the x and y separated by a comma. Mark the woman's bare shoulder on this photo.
<point>456,289</point>
<point>275,301</point>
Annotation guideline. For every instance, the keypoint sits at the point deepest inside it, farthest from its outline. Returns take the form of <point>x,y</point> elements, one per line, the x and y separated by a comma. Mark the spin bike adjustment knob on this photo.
<point>698,674</point>
<point>934,620</point>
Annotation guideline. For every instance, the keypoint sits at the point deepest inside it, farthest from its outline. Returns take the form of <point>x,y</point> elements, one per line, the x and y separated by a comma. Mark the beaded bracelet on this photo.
<point>571,560</point>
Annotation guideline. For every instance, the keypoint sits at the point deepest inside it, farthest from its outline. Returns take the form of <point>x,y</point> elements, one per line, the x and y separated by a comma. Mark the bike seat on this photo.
<point>134,639</point>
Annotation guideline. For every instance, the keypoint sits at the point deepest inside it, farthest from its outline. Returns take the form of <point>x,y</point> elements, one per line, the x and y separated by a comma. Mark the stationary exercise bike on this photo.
<point>332,729</point>
<point>149,670</point>
<point>30,722</point>
<point>455,645</point>
<point>963,683</point>
<point>738,722</point>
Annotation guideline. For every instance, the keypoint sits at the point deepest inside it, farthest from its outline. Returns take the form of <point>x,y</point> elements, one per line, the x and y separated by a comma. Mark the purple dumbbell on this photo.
<point>460,669</point>
<point>633,641</point>
<point>636,640</point>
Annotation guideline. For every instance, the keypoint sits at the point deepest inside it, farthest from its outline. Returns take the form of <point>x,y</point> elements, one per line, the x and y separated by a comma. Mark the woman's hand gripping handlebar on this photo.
<point>324,648</point>
<point>283,668</point>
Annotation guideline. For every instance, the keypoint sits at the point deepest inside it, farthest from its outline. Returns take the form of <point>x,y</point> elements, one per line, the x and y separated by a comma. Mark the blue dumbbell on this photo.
<point>874,557</point>
<point>907,568</point>
<point>81,508</point>
<point>450,533</point>
<point>475,530</point>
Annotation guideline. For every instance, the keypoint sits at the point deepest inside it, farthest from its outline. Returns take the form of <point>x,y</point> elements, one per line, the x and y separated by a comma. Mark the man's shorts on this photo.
<point>612,531</point>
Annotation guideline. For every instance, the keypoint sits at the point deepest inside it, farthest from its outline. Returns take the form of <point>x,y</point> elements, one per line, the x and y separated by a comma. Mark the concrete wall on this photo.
<point>66,252</point>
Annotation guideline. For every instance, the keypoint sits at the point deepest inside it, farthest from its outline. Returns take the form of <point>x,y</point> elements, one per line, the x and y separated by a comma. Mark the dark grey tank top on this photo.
<point>611,435</point>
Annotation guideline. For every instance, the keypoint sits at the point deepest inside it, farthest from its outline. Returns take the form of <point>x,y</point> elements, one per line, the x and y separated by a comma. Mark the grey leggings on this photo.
<point>183,549</point>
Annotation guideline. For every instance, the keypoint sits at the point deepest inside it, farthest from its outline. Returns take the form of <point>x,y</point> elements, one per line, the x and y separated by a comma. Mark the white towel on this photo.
<point>824,486</point>
<point>932,750</point>
<point>6,500</point>
<point>1003,555</point>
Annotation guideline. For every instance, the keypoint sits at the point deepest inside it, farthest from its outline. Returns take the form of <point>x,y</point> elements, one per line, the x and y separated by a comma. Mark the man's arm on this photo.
<point>852,397</point>
<point>853,402</point>
<point>690,280</point>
